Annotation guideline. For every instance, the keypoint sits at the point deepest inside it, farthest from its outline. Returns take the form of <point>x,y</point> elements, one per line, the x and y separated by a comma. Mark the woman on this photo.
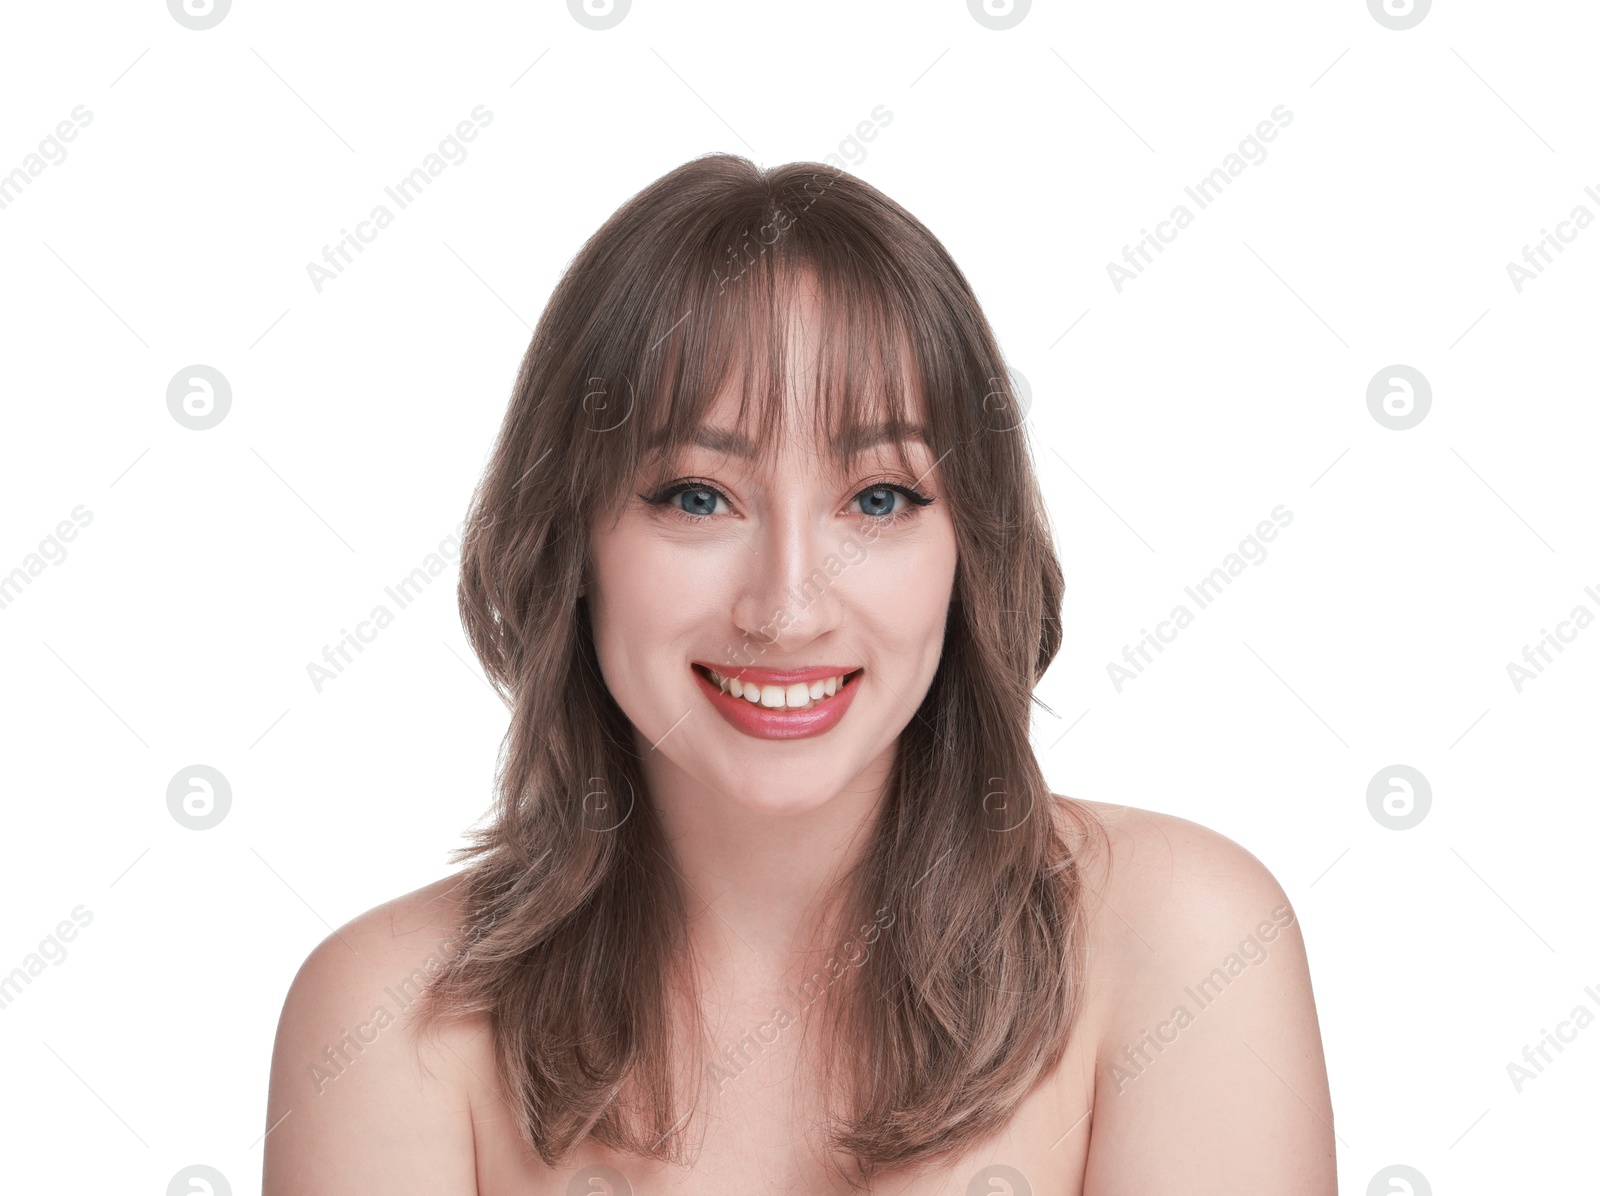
<point>775,896</point>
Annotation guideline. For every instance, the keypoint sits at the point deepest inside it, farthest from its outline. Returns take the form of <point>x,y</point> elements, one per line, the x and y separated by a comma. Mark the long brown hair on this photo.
<point>574,937</point>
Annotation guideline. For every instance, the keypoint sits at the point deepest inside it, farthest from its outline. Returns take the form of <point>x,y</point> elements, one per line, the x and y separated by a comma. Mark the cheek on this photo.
<point>616,598</point>
<point>645,593</point>
<point>904,589</point>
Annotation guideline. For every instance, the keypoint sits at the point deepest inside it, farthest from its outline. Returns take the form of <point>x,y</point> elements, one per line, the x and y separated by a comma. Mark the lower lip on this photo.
<point>765,722</point>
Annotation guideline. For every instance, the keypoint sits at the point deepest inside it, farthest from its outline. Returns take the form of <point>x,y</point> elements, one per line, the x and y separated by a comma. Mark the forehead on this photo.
<point>802,364</point>
<point>860,430</point>
<point>840,392</point>
<point>726,440</point>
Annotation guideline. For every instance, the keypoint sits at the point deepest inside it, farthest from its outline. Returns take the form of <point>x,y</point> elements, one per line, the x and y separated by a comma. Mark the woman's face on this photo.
<point>756,573</point>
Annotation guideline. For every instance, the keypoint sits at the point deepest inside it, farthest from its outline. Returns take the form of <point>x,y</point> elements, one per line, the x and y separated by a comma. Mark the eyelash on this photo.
<point>671,490</point>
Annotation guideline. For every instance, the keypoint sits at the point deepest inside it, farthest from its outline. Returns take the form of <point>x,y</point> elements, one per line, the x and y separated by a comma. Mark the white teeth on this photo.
<point>799,696</point>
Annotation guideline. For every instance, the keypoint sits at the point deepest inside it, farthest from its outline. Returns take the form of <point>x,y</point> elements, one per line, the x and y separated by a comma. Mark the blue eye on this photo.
<point>878,496</point>
<point>876,502</point>
<point>701,498</point>
<point>703,501</point>
<point>875,495</point>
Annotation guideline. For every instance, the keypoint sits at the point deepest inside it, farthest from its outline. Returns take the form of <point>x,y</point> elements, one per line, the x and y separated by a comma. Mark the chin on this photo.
<point>780,798</point>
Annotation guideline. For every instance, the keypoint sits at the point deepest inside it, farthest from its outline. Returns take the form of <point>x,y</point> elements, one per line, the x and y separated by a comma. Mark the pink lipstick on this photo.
<point>766,722</point>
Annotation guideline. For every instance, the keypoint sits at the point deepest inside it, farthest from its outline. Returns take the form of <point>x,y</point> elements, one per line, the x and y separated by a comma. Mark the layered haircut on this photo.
<point>574,944</point>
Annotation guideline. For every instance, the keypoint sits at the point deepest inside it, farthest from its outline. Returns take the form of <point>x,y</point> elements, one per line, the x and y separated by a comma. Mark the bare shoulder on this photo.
<point>1155,888</point>
<point>1160,865</point>
<point>362,1096</point>
<point>1210,1065</point>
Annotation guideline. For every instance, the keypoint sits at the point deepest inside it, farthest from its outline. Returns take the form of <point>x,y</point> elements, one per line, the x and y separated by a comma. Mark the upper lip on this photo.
<point>819,672</point>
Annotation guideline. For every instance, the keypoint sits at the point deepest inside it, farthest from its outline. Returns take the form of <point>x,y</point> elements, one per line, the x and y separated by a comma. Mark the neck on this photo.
<point>760,884</point>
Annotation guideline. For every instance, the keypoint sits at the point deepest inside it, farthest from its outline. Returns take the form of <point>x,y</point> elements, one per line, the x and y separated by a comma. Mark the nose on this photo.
<point>785,597</point>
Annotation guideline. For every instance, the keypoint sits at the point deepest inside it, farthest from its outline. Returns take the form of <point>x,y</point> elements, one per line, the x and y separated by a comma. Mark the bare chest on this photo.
<point>759,1137</point>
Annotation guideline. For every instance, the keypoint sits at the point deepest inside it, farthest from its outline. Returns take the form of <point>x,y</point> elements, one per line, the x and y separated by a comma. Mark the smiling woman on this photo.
<point>764,575</point>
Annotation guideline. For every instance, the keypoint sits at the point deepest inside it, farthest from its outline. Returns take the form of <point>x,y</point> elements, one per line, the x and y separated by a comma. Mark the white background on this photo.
<point>1229,377</point>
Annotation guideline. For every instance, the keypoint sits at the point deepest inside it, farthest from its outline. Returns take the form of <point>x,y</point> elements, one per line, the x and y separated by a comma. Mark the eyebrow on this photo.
<point>721,440</point>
